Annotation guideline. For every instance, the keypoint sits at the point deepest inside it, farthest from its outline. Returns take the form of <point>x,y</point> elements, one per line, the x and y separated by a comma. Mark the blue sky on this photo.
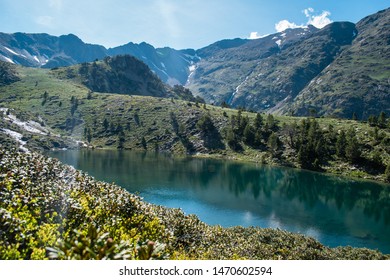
<point>175,23</point>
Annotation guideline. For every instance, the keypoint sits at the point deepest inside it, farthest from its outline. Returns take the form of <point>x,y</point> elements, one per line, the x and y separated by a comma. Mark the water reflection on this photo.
<point>333,210</point>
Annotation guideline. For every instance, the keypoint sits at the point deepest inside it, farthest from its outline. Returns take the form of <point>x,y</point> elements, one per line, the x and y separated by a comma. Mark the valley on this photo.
<point>301,99</point>
<point>73,115</point>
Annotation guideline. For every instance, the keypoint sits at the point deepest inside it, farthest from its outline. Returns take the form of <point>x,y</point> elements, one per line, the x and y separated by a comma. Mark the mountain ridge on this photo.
<point>282,73</point>
<point>46,51</point>
<point>358,81</point>
<point>289,77</point>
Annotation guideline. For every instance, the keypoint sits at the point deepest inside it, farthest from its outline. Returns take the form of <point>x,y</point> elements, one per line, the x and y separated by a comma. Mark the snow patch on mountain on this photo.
<point>11,51</point>
<point>7,59</point>
<point>30,126</point>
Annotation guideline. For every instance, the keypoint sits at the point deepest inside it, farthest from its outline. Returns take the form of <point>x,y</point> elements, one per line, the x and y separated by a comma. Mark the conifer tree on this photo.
<point>373,120</point>
<point>105,124</point>
<point>205,124</point>
<point>352,149</point>
<point>89,135</point>
<point>273,142</point>
<point>249,135</point>
<point>121,140</point>
<point>382,120</point>
<point>341,144</point>
<point>143,143</point>
<point>258,121</point>
<point>270,123</point>
<point>232,140</point>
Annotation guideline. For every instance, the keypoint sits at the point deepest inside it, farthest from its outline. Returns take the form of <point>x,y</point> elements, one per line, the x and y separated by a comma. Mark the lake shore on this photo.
<point>28,176</point>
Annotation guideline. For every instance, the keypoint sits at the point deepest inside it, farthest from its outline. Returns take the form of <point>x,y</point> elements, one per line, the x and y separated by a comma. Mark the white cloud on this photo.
<point>308,11</point>
<point>285,24</point>
<point>321,20</point>
<point>318,21</point>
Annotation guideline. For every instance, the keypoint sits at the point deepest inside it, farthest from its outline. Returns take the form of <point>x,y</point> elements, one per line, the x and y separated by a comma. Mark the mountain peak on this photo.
<point>71,38</point>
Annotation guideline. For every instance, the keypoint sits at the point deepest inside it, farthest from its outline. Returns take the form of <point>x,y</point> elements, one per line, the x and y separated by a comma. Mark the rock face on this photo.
<point>338,70</point>
<point>123,74</point>
<point>8,75</point>
<point>358,80</point>
<point>43,50</point>
<point>46,51</point>
<point>172,66</point>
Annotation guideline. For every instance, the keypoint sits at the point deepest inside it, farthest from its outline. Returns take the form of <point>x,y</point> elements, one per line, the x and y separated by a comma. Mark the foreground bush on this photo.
<point>52,211</point>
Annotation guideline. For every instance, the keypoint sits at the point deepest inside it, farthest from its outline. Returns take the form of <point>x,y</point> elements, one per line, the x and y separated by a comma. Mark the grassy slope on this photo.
<point>49,210</point>
<point>357,81</point>
<point>151,118</point>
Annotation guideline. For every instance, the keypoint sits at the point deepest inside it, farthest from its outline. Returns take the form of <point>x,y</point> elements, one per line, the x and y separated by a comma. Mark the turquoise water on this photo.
<point>333,210</point>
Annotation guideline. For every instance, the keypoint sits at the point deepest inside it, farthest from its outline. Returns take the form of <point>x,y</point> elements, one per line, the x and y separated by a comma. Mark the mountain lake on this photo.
<point>336,211</point>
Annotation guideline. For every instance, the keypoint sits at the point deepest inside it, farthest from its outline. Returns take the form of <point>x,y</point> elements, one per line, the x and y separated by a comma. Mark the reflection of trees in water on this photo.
<point>309,188</point>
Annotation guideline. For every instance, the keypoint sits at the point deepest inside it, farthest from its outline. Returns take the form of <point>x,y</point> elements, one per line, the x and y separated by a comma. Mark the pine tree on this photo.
<point>45,96</point>
<point>270,123</point>
<point>121,140</point>
<point>205,124</point>
<point>89,135</point>
<point>136,118</point>
<point>119,128</point>
<point>258,121</point>
<point>232,140</point>
<point>352,149</point>
<point>174,122</point>
<point>373,120</point>
<point>273,142</point>
<point>243,124</point>
<point>112,127</point>
<point>382,120</point>
<point>143,143</point>
<point>105,124</point>
<point>310,143</point>
<point>258,138</point>
<point>74,104</point>
<point>303,158</point>
<point>249,135</point>
<point>341,144</point>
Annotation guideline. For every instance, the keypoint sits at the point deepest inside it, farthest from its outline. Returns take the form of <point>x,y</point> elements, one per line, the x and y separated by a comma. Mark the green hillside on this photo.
<point>123,74</point>
<point>46,109</point>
